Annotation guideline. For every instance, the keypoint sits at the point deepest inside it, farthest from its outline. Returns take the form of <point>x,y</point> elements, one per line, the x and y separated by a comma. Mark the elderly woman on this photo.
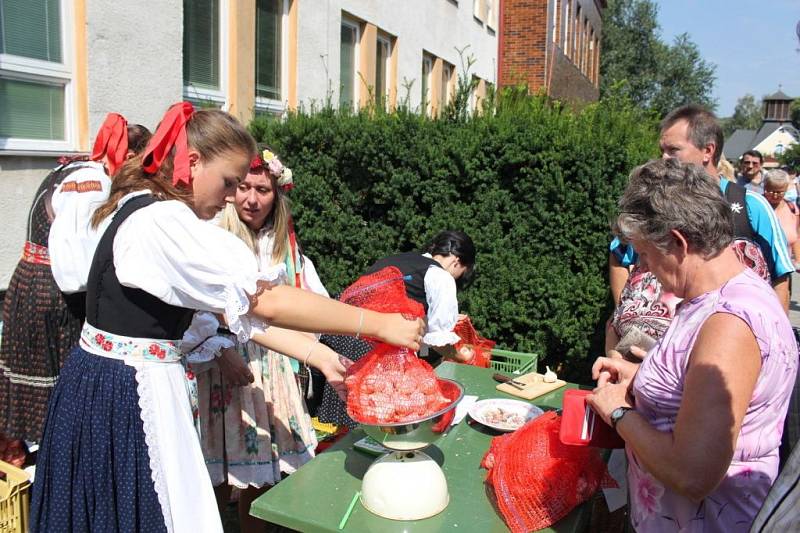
<point>777,186</point>
<point>702,415</point>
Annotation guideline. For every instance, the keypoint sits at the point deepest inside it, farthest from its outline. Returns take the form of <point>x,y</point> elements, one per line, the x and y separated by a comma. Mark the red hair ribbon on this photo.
<point>171,132</point>
<point>112,141</point>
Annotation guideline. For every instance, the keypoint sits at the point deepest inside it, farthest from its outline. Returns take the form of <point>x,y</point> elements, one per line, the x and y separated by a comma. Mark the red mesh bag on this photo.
<point>390,384</point>
<point>473,345</point>
<point>536,480</point>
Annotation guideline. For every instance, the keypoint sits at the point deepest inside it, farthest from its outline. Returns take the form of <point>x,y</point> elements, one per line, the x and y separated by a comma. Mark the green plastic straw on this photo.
<point>349,509</point>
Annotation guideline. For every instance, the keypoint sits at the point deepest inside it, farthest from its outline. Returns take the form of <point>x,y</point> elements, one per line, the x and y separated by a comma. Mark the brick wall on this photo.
<point>524,27</point>
<point>534,41</point>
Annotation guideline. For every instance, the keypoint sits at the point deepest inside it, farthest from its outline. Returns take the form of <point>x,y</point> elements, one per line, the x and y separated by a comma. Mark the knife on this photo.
<point>511,381</point>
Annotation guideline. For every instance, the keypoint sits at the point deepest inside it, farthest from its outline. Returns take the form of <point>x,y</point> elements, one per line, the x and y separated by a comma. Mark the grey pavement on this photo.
<point>794,303</point>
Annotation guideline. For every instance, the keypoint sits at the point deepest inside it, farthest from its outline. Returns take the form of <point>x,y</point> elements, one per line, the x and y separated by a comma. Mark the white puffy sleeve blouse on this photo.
<point>73,240</point>
<point>165,250</point>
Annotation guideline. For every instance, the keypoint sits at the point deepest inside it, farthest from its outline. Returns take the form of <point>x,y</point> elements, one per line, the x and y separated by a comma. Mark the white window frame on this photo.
<point>270,105</point>
<point>356,56</point>
<point>218,96</point>
<point>387,43</point>
<point>19,68</point>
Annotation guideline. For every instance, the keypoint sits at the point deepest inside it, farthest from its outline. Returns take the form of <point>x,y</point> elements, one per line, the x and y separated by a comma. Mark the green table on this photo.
<point>316,497</point>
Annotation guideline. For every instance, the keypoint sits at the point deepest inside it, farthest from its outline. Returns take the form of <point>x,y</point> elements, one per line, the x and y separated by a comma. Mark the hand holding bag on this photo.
<point>581,426</point>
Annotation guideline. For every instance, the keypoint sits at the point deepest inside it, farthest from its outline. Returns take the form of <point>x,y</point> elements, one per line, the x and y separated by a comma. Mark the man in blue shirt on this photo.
<point>693,135</point>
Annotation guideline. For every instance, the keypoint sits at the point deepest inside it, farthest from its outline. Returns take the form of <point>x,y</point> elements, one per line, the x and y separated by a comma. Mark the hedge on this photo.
<point>534,183</point>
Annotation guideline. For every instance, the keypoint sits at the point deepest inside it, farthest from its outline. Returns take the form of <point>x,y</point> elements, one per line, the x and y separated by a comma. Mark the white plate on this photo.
<point>525,410</point>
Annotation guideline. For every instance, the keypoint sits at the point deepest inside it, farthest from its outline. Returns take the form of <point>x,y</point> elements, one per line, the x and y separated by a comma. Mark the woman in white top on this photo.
<point>43,323</point>
<point>119,451</point>
<point>253,434</point>
<point>431,278</point>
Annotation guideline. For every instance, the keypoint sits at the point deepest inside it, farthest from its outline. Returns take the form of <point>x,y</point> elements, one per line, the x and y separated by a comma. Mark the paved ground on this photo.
<point>794,304</point>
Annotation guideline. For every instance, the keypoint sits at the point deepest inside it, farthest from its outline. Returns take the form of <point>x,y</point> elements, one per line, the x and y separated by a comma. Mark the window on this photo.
<point>204,52</point>
<point>383,55</point>
<point>474,97</point>
<point>427,69</point>
<point>479,9</point>
<point>447,79</point>
<point>576,53</point>
<point>556,7</point>
<point>35,76</point>
<point>567,25</point>
<point>269,49</point>
<point>779,149</point>
<point>347,64</point>
<point>491,14</point>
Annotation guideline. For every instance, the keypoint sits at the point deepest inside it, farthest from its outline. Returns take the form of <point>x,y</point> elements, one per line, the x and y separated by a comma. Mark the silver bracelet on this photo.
<point>309,354</point>
<point>360,324</point>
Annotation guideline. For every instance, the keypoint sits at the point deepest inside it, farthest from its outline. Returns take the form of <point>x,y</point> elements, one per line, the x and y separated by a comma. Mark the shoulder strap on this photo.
<point>736,196</point>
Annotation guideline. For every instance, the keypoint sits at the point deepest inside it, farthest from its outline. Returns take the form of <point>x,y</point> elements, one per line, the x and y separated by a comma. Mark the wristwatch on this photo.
<point>617,414</point>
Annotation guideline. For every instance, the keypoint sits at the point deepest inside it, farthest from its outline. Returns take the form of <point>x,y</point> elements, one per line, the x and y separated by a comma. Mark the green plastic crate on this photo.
<point>513,362</point>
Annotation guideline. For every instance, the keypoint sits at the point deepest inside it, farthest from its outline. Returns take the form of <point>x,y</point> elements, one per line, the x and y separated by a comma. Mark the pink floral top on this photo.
<point>658,390</point>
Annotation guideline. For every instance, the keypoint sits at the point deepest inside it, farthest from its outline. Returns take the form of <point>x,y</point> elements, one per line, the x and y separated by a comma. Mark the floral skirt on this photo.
<point>252,434</point>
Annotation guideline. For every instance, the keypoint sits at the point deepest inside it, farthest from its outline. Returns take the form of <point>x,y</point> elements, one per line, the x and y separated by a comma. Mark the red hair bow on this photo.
<point>171,132</point>
<point>112,141</point>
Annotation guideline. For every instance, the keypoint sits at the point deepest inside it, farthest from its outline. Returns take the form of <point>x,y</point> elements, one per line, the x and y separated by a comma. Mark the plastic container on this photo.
<point>14,487</point>
<point>513,362</point>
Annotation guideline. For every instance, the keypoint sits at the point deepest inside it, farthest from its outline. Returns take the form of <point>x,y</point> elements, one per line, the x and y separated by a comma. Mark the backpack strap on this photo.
<point>735,195</point>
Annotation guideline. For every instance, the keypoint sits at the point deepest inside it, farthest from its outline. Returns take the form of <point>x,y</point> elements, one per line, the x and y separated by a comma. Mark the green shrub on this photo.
<point>532,182</point>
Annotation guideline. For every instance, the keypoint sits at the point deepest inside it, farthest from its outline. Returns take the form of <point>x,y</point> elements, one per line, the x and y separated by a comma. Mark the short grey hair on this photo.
<point>664,195</point>
<point>777,178</point>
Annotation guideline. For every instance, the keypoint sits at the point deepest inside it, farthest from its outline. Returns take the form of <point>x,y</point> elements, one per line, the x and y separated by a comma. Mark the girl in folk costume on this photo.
<point>432,279</point>
<point>119,451</point>
<point>253,434</point>
<point>41,324</point>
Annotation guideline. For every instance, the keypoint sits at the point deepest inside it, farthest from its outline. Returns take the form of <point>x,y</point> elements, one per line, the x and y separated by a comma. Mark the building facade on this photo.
<point>552,46</point>
<point>65,63</point>
<point>772,138</point>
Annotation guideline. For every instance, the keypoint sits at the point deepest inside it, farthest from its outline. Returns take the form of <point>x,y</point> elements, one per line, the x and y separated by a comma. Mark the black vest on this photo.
<point>123,310</point>
<point>413,266</point>
<point>736,195</point>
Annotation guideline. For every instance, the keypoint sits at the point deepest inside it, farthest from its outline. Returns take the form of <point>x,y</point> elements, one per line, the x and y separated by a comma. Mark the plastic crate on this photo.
<point>14,487</point>
<point>513,362</point>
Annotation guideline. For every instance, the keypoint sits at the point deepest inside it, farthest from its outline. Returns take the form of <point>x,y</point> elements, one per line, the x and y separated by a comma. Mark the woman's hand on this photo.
<point>613,370</point>
<point>399,331</point>
<point>604,400</point>
<point>233,368</point>
<point>333,366</point>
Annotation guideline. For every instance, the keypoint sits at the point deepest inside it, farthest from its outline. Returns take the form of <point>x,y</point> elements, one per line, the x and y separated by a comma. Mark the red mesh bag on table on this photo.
<point>390,384</point>
<point>473,345</point>
<point>537,480</point>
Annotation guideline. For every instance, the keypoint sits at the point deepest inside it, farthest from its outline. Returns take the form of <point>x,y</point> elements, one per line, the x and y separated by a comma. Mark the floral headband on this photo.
<point>270,162</point>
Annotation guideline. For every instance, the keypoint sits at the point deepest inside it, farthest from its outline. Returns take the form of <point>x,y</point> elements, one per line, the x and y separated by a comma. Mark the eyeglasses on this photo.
<point>776,193</point>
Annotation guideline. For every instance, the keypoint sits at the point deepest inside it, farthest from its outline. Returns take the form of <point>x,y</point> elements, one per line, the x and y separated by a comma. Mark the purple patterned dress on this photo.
<point>658,387</point>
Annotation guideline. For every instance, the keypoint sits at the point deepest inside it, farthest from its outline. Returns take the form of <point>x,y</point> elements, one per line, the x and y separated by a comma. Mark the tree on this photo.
<point>794,113</point>
<point>746,115</point>
<point>636,62</point>
<point>791,157</point>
